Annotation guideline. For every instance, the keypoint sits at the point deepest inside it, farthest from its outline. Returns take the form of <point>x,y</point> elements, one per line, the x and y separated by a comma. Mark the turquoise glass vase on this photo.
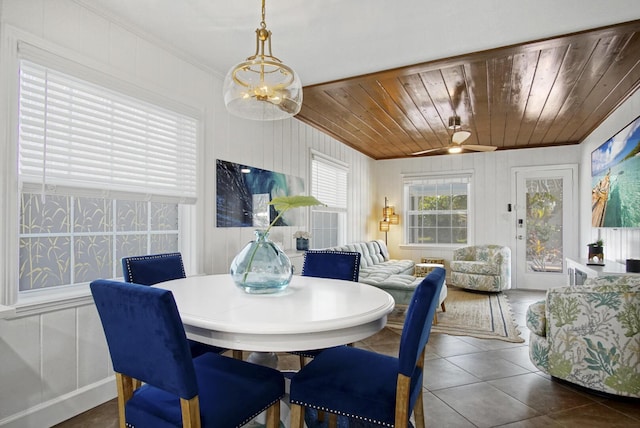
<point>261,267</point>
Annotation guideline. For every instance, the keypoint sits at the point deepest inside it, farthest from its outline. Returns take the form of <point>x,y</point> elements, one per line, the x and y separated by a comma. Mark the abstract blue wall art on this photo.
<point>243,194</point>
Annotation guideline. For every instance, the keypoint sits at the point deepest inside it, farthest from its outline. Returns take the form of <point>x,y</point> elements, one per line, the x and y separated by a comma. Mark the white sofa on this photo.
<point>394,276</point>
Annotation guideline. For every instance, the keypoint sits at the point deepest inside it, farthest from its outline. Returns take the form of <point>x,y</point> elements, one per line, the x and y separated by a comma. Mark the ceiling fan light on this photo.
<point>459,137</point>
<point>454,122</point>
<point>455,150</point>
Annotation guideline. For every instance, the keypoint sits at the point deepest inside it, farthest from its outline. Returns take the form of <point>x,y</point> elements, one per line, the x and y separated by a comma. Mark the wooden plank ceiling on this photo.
<point>543,93</point>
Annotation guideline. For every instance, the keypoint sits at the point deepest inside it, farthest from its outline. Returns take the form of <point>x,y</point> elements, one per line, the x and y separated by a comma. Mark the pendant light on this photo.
<point>262,87</point>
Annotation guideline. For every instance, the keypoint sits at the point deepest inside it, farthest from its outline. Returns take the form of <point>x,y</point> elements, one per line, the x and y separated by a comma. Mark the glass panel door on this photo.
<point>546,225</point>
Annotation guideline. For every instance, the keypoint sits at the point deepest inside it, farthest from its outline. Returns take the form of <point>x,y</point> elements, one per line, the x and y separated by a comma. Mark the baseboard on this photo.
<point>63,407</point>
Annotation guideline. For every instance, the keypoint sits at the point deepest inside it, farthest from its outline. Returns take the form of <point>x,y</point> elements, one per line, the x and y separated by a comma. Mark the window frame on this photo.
<point>445,178</point>
<point>341,211</point>
<point>66,61</point>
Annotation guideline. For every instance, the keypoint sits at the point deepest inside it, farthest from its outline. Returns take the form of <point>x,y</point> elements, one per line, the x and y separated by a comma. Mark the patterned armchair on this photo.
<point>590,334</point>
<point>482,267</point>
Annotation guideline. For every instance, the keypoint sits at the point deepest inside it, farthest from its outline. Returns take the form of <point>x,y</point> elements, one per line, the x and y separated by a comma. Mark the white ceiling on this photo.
<point>325,40</point>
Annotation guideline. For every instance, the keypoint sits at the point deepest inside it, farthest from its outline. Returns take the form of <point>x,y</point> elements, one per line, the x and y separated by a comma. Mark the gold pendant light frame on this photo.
<point>262,87</point>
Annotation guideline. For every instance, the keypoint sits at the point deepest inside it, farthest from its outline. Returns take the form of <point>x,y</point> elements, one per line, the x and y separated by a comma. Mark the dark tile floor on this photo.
<point>476,383</point>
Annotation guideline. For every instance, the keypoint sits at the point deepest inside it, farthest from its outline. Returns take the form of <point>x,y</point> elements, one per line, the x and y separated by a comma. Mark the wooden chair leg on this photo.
<point>190,412</point>
<point>136,383</point>
<point>402,401</point>
<point>237,354</point>
<point>418,410</point>
<point>333,420</point>
<point>125,388</point>
<point>297,416</point>
<point>273,415</point>
<point>443,308</point>
<point>303,361</point>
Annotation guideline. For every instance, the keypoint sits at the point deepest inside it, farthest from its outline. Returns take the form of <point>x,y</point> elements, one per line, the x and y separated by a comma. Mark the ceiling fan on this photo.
<point>458,137</point>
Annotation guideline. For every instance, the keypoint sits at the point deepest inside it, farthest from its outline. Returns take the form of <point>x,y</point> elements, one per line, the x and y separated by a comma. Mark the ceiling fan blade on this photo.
<point>428,151</point>
<point>479,148</point>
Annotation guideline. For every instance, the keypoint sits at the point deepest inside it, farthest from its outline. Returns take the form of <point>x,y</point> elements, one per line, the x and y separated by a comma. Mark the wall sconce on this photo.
<point>389,217</point>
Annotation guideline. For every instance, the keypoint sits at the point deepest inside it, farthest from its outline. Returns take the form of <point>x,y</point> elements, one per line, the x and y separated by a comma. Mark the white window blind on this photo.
<point>74,134</point>
<point>329,182</point>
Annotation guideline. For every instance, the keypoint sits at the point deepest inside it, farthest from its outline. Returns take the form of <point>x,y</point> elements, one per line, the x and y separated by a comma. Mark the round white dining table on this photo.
<point>310,313</point>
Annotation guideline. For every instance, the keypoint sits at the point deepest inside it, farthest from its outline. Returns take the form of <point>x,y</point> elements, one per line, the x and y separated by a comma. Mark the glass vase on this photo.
<point>261,267</point>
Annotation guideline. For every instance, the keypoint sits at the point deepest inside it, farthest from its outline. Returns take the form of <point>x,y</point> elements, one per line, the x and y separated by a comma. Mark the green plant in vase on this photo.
<point>261,267</point>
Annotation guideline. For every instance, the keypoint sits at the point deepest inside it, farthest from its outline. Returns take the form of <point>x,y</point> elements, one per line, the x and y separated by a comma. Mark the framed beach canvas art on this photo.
<point>615,180</point>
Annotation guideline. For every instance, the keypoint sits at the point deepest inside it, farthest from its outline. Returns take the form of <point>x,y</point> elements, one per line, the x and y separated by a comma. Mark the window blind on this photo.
<point>329,182</point>
<point>434,180</point>
<point>75,134</point>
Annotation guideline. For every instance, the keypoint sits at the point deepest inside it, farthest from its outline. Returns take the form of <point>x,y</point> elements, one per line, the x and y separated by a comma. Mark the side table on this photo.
<point>422,269</point>
<point>426,265</point>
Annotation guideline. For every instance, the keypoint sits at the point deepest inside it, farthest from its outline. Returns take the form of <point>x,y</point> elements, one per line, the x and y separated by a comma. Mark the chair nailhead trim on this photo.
<point>337,412</point>
<point>151,256</point>
<point>344,253</point>
<point>246,421</point>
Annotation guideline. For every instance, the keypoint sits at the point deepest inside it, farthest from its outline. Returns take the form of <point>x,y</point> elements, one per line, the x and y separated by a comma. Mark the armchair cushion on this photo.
<point>479,268</point>
<point>590,335</point>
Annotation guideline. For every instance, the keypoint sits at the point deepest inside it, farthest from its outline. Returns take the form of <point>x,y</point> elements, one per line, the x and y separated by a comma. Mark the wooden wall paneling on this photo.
<point>430,96</point>
<point>478,90</point>
<point>522,74</point>
<point>537,108</point>
<point>596,70</point>
<point>499,98</point>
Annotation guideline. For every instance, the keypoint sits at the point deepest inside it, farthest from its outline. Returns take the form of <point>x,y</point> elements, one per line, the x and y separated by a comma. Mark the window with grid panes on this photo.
<point>437,209</point>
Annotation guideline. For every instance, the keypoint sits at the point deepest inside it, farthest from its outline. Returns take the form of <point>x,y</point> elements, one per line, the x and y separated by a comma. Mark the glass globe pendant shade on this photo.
<point>262,89</point>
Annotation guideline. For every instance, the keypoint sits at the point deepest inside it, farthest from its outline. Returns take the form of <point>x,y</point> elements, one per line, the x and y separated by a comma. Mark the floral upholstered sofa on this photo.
<point>590,334</point>
<point>481,267</point>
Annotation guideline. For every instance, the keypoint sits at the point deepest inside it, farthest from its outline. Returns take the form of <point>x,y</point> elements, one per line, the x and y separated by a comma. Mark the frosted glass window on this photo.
<point>102,176</point>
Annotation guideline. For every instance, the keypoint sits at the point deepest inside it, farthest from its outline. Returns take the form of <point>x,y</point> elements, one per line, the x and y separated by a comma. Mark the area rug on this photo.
<point>470,313</point>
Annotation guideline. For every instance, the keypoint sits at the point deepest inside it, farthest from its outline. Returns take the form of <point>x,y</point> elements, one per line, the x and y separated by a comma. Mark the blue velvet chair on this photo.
<point>343,265</point>
<point>209,391</point>
<point>371,387</point>
<point>332,264</point>
<point>154,268</point>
